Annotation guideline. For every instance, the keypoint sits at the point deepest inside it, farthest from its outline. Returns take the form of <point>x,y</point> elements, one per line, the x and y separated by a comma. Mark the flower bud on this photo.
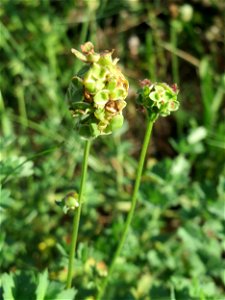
<point>69,202</point>
<point>159,99</point>
<point>186,12</point>
<point>96,95</point>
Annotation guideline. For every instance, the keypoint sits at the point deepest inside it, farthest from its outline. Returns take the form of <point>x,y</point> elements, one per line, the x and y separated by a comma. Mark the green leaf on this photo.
<point>8,285</point>
<point>42,285</point>
<point>80,105</point>
<point>61,250</point>
<point>56,291</point>
<point>196,135</point>
<point>75,91</point>
<point>66,294</point>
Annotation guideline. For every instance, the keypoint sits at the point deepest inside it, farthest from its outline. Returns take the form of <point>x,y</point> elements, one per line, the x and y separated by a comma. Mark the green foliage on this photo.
<point>175,246</point>
<point>25,285</point>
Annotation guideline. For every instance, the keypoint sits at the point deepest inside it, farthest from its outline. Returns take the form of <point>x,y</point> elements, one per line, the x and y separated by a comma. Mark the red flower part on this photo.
<point>174,87</point>
<point>145,82</point>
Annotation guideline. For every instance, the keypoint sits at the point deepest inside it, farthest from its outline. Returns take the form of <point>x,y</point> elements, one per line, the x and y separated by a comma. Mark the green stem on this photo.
<point>175,63</point>
<point>132,209</point>
<point>22,106</point>
<point>76,219</point>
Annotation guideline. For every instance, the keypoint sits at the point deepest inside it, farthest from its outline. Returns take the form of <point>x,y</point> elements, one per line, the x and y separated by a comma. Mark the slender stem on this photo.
<point>175,62</point>
<point>131,212</point>
<point>76,219</point>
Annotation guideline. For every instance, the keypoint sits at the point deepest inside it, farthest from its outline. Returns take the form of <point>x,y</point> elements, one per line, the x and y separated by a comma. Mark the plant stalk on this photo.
<point>76,219</point>
<point>132,209</point>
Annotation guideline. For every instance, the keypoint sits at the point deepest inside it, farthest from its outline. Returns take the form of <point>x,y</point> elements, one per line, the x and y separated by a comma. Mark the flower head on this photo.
<point>159,99</point>
<point>97,93</point>
<point>69,202</point>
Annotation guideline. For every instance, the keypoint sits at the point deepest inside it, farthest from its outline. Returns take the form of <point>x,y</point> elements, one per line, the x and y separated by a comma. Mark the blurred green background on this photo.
<point>175,248</point>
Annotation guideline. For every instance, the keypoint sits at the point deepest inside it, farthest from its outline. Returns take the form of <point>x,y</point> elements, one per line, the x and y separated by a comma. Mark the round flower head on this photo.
<point>96,94</point>
<point>159,99</point>
<point>69,202</point>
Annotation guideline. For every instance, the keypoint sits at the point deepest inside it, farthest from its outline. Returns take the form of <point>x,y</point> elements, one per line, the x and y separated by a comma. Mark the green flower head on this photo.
<point>159,99</point>
<point>69,202</point>
<point>97,93</point>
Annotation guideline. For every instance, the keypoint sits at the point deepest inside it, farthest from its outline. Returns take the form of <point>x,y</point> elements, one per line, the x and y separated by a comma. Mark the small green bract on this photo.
<point>96,94</point>
<point>159,99</point>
